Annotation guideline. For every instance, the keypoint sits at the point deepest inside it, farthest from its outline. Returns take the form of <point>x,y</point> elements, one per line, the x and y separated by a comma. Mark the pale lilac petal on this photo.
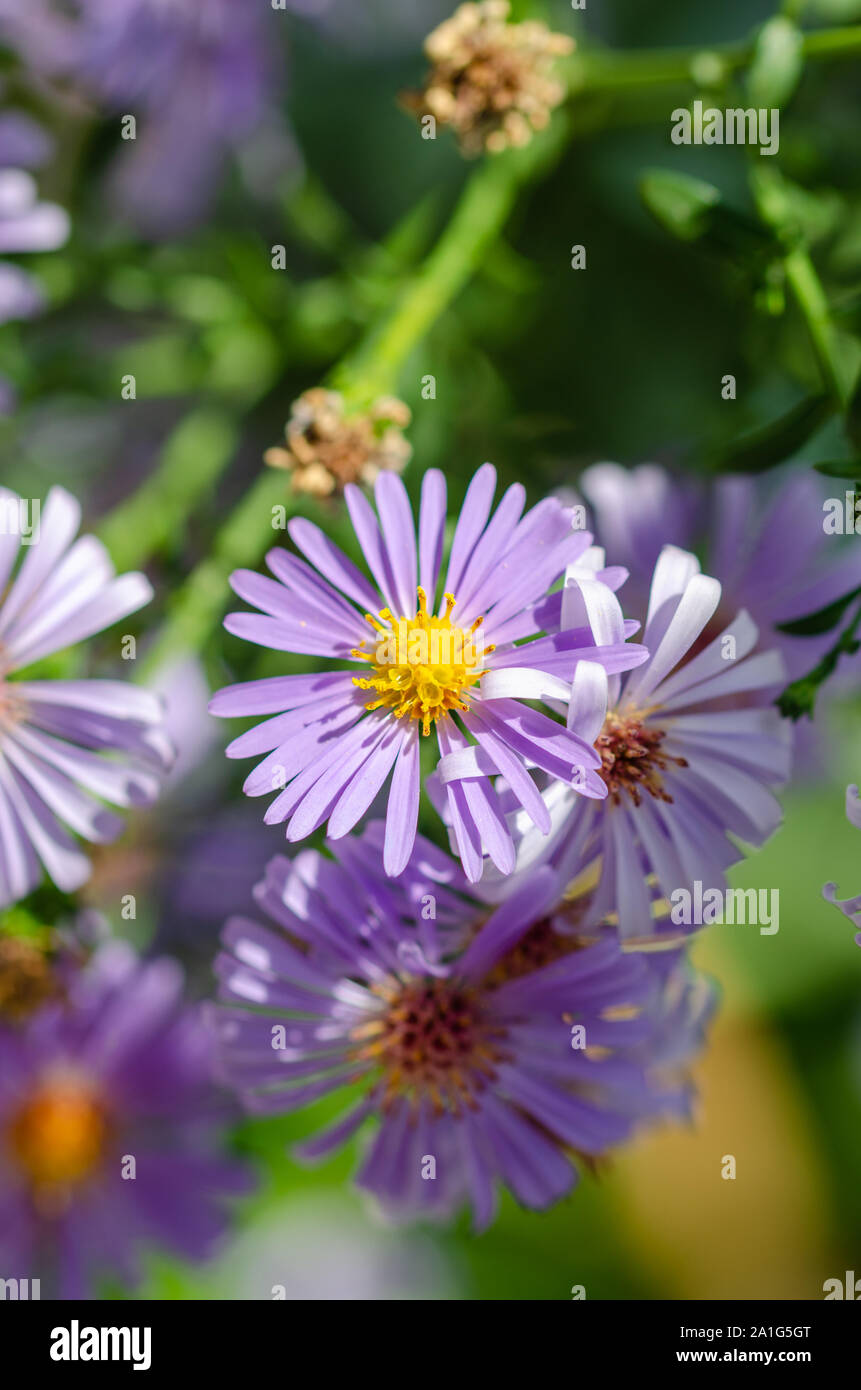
<point>117,600</point>
<point>470,524</point>
<point>64,862</point>
<point>60,519</point>
<point>365,784</point>
<point>432,514</point>
<point>399,537</point>
<point>696,606</point>
<point>275,694</point>
<point>332,563</point>
<point>587,706</point>
<point>370,538</point>
<point>403,807</point>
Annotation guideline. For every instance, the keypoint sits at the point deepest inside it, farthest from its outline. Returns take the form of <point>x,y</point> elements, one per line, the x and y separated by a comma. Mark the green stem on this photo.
<point>372,369</point>
<point>775,209</point>
<point>369,371</point>
<point>594,72</point>
<point>810,297</point>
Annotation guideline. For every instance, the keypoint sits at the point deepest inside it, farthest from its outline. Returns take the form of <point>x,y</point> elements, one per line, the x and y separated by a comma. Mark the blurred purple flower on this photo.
<point>109,1125</point>
<point>53,732</point>
<point>23,142</point>
<point>195,74</point>
<point>336,735</point>
<point>486,1048</point>
<point>767,547</point>
<point>25,225</point>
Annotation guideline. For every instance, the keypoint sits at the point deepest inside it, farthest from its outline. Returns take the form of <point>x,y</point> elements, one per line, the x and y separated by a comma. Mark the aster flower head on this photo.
<point>689,756</point>
<point>414,668</point>
<point>850,907</point>
<point>109,1125</point>
<point>744,529</point>
<point>491,81</point>
<point>482,1052</point>
<point>66,746</point>
<point>26,225</point>
<point>326,448</point>
<point>197,73</point>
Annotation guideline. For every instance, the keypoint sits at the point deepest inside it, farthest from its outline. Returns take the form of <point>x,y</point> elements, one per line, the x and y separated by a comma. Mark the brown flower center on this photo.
<point>541,945</point>
<point>434,1040</point>
<point>632,757</point>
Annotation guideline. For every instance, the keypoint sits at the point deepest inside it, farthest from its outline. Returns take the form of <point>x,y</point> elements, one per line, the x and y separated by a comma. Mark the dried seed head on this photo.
<point>326,448</point>
<point>27,980</point>
<point>491,81</point>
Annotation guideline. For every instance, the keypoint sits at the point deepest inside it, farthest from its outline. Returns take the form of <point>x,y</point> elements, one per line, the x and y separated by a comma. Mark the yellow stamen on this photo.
<point>424,666</point>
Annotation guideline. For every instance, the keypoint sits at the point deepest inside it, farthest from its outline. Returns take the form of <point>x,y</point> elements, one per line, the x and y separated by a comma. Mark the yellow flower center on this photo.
<point>423,666</point>
<point>57,1136</point>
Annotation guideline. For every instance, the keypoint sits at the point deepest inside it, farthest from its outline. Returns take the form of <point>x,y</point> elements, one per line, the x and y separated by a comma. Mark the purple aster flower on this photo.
<point>689,756</point>
<point>25,225</point>
<point>195,73</point>
<point>482,1048</point>
<point>460,670</point>
<point>109,1128</point>
<point>850,907</point>
<point>766,546</point>
<point>23,142</point>
<point>53,733</point>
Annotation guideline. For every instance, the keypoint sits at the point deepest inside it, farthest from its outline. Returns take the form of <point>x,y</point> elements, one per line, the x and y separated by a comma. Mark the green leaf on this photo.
<point>840,468</point>
<point>799,698</point>
<point>778,61</point>
<point>853,415</point>
<point>823,620</point>
<point>693,210</point>
<point>779,440</point>
<point>681,204</point>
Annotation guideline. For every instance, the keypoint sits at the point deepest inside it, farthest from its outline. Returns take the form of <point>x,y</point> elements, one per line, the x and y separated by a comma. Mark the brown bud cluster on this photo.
<point>326,448</point>
<point>26,979</point>
<point>491,81</point>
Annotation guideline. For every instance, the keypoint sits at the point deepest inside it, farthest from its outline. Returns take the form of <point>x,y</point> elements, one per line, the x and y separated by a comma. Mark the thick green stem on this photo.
<point>372,369</point>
